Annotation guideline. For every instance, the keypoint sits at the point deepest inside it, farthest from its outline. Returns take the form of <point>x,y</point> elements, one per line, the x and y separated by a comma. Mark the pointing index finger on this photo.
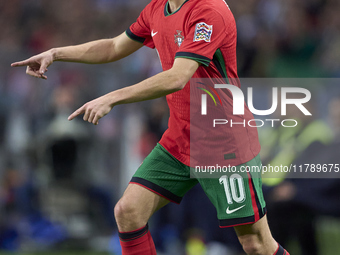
<point>20,63</point>
<point>81,110</point>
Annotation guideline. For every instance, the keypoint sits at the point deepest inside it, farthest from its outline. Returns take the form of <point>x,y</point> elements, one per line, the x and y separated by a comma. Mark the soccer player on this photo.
<point>194,38</point>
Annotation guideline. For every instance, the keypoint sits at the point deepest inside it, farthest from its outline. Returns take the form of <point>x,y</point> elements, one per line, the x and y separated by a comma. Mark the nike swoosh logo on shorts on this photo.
<point>153,34</point>
<point>234,210</point>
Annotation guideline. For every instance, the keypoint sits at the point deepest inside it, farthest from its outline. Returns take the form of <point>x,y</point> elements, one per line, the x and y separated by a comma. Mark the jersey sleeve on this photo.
<point>206,32</point>
<point>140,30</point>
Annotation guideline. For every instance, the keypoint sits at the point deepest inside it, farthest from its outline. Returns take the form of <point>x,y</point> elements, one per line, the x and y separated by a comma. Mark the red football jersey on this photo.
<point>205,31</point>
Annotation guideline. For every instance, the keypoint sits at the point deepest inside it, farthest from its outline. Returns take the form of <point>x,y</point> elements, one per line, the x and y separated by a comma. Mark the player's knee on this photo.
<point>252,249</point>
<point>252,245</point>
<point>126,211</point>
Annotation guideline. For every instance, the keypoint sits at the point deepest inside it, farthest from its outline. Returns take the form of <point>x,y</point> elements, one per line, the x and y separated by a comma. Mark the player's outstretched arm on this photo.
<point>156,86</point>
<point>95,52</point>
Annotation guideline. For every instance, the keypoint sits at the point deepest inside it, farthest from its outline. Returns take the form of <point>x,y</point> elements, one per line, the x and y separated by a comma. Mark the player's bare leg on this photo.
<point>136,207</point>
<point>256,238</point>
<point>132,213</point>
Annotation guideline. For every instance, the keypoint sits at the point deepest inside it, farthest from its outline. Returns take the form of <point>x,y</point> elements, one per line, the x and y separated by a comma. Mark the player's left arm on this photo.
<point>156,86</point>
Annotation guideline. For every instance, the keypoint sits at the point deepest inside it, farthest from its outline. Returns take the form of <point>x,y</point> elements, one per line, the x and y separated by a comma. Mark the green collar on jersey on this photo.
<point>167,8</point>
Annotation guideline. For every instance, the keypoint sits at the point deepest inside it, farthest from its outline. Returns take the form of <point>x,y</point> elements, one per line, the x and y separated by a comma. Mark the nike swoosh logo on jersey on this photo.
<point>234,210</point>
<point>153,34</point>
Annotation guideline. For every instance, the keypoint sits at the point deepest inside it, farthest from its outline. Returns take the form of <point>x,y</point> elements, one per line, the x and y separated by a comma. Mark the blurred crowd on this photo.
<point>59,180</point>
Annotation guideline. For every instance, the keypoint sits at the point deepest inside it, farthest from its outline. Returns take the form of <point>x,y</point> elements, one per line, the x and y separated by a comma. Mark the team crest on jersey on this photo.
<point>203,32</point>
<point>179,38</point>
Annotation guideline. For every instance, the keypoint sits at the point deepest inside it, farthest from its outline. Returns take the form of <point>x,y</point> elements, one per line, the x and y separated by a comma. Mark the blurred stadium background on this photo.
<point>59,180</point>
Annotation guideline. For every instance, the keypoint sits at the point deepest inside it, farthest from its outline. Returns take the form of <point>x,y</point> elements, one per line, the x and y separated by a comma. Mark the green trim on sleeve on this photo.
<point>134,37</point>
<point>198,58</point>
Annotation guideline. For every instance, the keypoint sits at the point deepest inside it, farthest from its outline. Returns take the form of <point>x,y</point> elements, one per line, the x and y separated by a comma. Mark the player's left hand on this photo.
<point>94,110</point>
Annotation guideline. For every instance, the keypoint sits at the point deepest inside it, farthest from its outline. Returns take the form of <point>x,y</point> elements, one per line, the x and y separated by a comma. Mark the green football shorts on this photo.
<point>237,196</point>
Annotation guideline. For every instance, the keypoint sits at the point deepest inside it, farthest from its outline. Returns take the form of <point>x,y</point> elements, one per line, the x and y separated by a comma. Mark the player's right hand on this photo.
<point>37,65</point>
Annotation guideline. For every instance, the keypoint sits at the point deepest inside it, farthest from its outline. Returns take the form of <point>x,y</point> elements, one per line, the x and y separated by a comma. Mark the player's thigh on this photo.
<point>136,206</point>
<point>160,179</point>
<point>144,199</point>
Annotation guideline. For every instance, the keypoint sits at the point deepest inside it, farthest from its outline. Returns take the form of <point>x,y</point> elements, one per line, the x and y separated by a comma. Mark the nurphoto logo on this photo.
<point>238,104</point>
